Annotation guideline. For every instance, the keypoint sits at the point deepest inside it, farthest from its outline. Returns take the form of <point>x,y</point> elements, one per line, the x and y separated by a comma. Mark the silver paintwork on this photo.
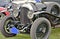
<point>34,6</point>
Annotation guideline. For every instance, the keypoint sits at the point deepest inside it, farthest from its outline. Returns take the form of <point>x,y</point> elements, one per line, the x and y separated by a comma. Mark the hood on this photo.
<point>18,2</point>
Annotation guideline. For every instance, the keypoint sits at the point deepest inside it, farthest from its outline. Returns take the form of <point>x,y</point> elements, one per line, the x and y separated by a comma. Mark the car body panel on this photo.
<point>58,1</point>
<point>4,10</point>
<point>49,5</point>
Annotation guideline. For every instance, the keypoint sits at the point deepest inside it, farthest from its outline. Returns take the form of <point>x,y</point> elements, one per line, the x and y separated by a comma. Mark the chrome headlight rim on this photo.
<point>30,14</point>
<point>15,9</point>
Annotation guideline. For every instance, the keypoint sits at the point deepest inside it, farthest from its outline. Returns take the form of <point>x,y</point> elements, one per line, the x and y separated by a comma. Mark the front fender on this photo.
<point>50,5</point>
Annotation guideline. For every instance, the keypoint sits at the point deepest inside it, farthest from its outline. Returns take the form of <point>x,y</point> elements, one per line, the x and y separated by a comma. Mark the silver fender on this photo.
<point>50,5</point>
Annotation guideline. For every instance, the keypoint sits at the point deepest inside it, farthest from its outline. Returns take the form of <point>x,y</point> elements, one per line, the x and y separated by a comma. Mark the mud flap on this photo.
<point>14,30</point>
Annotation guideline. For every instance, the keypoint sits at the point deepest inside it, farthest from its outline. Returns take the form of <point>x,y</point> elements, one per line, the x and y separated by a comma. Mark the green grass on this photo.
<point>55,34</point>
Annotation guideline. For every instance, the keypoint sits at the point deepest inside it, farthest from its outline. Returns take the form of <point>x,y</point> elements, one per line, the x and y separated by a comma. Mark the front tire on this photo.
<point>40,29</point>
<point>5,28</point>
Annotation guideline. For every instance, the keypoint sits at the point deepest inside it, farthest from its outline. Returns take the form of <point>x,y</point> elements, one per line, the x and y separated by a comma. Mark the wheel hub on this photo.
<point>41,31</point>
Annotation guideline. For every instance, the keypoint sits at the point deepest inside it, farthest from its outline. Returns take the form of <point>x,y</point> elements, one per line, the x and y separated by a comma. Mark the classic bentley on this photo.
<point>33,16</point>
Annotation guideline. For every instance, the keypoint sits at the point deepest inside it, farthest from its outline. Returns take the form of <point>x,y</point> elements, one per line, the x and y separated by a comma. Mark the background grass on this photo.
<point>55,34</point>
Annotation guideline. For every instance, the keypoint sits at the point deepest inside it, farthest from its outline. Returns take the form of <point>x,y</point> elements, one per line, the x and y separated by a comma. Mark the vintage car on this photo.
<point>34,16</point>
<point>51,7</point>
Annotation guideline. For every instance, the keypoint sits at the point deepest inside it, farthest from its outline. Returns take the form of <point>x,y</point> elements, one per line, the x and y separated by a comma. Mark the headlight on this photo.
<point>30,14</point>
<point>15,9</point>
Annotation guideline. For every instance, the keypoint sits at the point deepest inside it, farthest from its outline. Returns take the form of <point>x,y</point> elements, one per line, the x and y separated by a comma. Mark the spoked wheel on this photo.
<point>5,27</point>
<point>8,25</point>
<point>40,29</point>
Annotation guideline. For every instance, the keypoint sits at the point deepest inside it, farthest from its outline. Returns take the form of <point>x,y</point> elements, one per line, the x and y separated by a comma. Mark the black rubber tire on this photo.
<point>3,29</point>
<point>35,25</point>
<point>55,10</point>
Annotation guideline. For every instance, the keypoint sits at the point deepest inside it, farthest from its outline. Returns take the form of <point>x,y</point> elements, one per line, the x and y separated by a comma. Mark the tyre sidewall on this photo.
<point>34,27</point>
<point>2,26</point>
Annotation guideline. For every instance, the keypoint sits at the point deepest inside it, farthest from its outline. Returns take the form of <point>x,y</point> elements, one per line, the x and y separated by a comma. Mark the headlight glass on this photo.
<point>30,14</point>
<point>15,9</point>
